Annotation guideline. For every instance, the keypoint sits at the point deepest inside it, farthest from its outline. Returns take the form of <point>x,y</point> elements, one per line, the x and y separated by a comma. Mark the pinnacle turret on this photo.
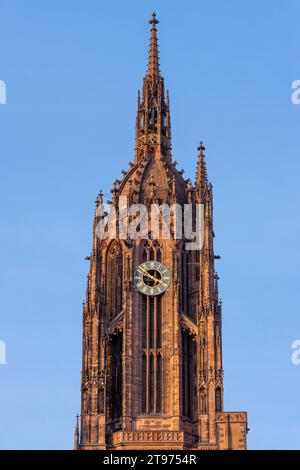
<point>76,434</point>
<point>201,177</point>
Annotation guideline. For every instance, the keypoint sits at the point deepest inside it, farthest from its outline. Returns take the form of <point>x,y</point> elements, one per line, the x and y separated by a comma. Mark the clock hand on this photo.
<point>155,279</point>
<point>151,277</point>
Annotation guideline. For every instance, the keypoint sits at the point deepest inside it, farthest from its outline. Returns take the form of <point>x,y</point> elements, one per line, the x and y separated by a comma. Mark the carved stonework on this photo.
<point>149,139</point>
<point>148,436</point>
<point>202,378</point>
<point>231,417</point>
<point>203,400</point>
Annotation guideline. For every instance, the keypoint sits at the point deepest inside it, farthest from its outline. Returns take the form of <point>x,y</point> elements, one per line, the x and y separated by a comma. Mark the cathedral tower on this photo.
<point>152,374</point>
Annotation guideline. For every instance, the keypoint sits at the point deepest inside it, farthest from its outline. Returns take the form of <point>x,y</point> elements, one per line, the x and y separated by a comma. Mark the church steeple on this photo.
<point>153,128</point>
<point>152,373</point>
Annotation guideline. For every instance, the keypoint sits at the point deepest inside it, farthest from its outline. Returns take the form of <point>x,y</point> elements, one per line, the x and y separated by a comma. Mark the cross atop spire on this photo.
<point>153,65</point>
<point>153,20</point>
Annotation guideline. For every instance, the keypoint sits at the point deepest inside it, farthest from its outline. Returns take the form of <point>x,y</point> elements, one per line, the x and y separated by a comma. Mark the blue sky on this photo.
<point>72,71</point>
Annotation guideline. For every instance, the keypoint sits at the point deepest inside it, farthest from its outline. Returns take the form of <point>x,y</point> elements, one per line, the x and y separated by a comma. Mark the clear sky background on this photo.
<point>72,71</point>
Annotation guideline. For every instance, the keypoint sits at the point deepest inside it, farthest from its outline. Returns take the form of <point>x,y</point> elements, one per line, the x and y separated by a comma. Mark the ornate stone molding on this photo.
<point>147,140</point>
<point>232,417</point>
<point>93,376</point>
<point>153,437</point>
<point>211,377</point>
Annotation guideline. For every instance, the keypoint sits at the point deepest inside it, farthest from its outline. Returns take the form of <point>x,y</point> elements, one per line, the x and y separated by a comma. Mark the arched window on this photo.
<point>144,379</point>
<point>188,376</point>
<point>182,283</point>
<point>151,254</point>
<point>159,383</point>
<point>151,355</point>
<point>115,280</point>
<point>187,281</point>
<point>152,375</point>
<point>116,375</point>
<point>151,383</point>
<point>218,400</point>
<point>159,322</point>
<point>152,320</point>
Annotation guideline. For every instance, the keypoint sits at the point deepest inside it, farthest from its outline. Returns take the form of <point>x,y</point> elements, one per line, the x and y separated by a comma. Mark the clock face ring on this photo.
<point>152,278</point>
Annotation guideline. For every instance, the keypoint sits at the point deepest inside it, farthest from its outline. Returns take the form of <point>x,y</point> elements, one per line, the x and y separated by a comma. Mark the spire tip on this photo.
<point>153,20</point>
<point>201,149</point>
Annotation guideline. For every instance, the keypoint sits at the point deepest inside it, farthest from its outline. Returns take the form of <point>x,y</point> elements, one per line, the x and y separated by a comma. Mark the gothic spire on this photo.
<point>201,177</point>
<point>153,65</point>
<point>153,125</point>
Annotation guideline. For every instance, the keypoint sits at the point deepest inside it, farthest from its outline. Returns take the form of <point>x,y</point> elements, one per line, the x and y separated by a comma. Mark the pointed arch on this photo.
<point>151,250</point>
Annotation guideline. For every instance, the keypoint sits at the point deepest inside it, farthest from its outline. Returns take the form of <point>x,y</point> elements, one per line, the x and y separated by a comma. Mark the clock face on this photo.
<point>152,278</point>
